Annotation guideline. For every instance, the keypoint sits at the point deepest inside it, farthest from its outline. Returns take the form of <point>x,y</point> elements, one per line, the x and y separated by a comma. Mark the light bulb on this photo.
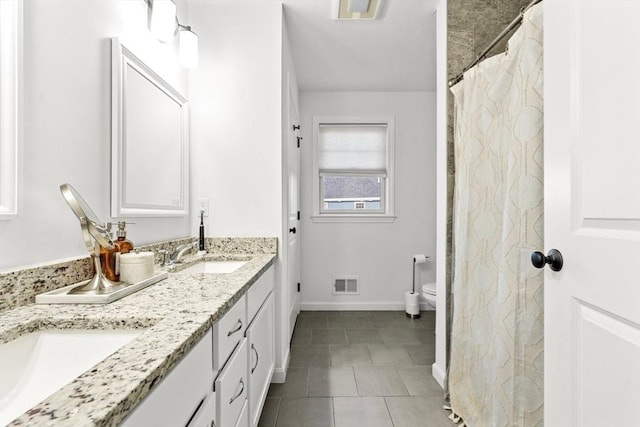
<point>163,19</point>
<point>188,45</point>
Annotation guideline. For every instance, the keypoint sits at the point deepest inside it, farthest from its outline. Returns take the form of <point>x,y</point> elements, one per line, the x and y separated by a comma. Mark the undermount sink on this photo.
<point>215,267</point>
<point>36,365</point>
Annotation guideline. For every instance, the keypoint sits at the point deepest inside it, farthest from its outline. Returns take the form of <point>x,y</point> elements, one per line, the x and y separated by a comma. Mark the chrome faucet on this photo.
<point>170,258</point>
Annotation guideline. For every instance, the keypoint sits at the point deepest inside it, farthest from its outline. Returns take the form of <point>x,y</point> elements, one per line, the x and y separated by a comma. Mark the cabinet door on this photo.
<point>243,419</point>
<point>261,358</point>
<point>190,379</point>
<point>206,414</point>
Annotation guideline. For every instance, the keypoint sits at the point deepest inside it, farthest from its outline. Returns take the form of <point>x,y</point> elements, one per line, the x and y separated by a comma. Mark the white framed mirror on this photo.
<point>149,141</point>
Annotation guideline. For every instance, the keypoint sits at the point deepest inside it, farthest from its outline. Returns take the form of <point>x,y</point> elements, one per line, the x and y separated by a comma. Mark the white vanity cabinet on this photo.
<point>181,395</point>
<point>224,380</point>
<point>243,381</point>
<point>261,345</point>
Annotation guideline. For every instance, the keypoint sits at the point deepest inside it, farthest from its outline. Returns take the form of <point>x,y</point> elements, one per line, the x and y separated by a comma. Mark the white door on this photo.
<point>592,212</point>
<point>293,253</point>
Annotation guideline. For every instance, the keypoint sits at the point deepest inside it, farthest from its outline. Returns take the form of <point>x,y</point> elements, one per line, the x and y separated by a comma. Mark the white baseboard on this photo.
<point>280,373</point>
<point>438,373</point>
<point>358,306</point>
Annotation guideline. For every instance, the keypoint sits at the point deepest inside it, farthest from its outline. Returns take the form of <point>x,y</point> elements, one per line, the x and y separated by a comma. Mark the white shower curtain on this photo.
<point>496,366</point>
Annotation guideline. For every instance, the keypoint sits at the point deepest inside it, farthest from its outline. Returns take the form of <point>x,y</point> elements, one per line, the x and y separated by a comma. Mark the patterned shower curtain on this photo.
<point>496,367</point>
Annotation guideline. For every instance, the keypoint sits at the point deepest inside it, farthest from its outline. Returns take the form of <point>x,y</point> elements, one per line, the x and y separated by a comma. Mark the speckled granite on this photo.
<point>242,245</point>
<point>20,286</point>
<point>177,312</point>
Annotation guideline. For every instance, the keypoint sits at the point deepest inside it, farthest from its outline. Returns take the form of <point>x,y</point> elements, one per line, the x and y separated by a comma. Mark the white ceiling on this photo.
<point>394,53</point>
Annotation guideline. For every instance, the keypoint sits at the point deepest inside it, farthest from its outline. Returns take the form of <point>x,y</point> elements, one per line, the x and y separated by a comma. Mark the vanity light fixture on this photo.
<point>163,19</point>
<point>188,46</point>
<point>164,25</point>
<point>357,9</point>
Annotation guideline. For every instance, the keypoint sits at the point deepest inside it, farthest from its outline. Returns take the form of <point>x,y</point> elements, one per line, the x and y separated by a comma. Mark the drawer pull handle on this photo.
<point>239,393</point>
<point>253,347</point>
<point>236,329</point>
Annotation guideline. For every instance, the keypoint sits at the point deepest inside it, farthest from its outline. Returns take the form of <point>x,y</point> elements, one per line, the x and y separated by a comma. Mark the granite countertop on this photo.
<point>175,312</point>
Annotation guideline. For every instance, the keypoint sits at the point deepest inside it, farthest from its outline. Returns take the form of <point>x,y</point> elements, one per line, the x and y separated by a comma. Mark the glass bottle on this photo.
<point>108,259</point>
<point>123,245</point>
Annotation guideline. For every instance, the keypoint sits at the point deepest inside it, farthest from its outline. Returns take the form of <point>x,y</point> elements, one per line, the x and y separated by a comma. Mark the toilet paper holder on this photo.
<point>417,259</point>
<point>412,301</point>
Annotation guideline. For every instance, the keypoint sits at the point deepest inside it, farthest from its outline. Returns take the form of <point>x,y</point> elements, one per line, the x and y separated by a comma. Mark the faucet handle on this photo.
<point>166,257</point>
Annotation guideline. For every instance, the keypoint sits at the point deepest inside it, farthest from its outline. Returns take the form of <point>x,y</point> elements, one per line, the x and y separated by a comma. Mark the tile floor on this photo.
<point>352,369</point>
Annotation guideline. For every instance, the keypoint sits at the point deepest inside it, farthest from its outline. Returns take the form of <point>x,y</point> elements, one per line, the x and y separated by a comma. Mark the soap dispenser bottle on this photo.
<point>122,244</point>
<point>108,259</point>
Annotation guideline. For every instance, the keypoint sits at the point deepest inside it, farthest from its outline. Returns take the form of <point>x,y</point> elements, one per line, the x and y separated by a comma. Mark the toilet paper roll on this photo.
<point>420,258</point>
<point>412,303</point>
<point>135,267</point>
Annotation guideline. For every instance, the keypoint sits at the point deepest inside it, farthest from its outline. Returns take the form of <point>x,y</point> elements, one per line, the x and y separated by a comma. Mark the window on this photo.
<point>353,159</point>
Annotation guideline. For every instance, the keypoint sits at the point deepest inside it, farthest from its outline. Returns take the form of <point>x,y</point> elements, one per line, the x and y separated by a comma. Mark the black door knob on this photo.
<point>554,259</point>
<point>292,230</point>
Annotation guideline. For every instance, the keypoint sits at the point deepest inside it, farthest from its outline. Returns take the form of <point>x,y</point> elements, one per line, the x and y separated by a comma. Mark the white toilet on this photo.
<point>429,293</point>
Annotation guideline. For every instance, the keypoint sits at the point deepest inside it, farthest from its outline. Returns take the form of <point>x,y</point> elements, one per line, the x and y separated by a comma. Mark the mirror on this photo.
<point>91,228</point>
<point>149,141</point>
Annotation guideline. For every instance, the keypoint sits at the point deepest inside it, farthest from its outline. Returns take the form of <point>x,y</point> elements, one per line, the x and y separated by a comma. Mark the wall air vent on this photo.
<point>357,9</point>
<point>346,285</point>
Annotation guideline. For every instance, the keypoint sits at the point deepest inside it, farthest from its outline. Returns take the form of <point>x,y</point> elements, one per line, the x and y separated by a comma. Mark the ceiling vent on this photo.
<point>357,9</point>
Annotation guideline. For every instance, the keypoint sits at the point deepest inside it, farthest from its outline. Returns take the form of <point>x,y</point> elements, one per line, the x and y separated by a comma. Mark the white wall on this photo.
<point>67,119</point>
<point>380,254</point>
<point>235,132</point>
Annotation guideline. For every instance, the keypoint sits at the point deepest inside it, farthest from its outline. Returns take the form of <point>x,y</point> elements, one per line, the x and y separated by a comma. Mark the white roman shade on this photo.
<point>352,147</point>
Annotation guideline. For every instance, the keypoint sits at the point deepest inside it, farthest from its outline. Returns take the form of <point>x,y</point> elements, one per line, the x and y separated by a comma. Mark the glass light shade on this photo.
<point>163,19</point>
<point>188,49</point>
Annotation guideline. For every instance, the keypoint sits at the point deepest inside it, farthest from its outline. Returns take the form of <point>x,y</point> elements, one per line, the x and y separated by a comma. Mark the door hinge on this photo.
<point>298,286</point>
<point>298,215</point>
<point>299,139</point>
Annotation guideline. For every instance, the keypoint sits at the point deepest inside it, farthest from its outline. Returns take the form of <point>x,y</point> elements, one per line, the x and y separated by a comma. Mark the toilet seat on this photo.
<point>429,288</point>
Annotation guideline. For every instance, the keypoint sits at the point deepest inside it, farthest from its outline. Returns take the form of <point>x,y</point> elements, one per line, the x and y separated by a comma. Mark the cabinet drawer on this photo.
<point>206,414</point>
<point>258,292</point>
<point>228,332</point>
<point>232,387</point>
<point>190,379</point>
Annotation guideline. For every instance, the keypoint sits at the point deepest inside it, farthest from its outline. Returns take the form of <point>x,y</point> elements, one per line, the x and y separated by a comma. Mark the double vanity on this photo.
<point>196,349</point>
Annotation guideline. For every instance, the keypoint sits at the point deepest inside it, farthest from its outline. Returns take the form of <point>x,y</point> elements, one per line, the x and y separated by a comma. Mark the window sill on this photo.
<point>353,218</point>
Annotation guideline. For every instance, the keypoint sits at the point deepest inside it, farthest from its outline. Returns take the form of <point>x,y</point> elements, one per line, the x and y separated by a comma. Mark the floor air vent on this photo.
<point>345,285</point>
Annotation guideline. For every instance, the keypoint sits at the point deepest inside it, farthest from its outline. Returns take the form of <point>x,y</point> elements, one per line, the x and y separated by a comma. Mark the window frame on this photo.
<point>386,213</point>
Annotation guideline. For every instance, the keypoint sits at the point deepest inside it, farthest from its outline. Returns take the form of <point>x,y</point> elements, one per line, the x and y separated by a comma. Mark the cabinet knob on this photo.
<point>292,230</point>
